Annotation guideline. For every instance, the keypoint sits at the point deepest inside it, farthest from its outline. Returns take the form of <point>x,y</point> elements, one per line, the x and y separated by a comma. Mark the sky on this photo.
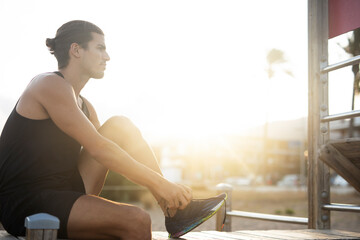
<point>178,68</point>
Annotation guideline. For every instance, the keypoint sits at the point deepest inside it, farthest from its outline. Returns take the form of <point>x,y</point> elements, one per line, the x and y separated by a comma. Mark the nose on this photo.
<point>106,56</point>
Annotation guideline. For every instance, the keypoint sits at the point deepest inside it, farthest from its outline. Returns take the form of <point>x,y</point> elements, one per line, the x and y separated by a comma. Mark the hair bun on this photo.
<point>50,43</point>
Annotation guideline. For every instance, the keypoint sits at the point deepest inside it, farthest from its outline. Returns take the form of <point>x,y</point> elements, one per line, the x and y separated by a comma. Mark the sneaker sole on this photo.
<point>196,224</point>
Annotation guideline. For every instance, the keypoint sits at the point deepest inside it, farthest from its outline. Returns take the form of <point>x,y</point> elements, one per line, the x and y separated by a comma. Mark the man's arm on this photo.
<point>58,99</point>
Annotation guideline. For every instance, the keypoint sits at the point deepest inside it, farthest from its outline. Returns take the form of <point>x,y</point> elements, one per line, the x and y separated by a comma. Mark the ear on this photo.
<point>75,50</point>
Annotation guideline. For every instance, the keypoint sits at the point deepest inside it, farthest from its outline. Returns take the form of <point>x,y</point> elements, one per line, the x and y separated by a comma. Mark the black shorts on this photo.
<point>58,203</point>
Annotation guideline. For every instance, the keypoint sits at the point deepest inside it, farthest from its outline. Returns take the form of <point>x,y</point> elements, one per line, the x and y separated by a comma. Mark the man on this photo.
<point>54,155</point>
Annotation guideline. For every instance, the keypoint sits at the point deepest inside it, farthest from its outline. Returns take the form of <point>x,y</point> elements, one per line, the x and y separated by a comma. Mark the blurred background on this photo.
<point>218,88</point>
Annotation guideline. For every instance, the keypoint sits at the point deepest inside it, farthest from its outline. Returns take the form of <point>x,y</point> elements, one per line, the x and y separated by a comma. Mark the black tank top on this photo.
<point>36,155</point>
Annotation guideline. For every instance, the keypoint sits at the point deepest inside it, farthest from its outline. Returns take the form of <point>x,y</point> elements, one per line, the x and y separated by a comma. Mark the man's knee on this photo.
<point>121,125</point>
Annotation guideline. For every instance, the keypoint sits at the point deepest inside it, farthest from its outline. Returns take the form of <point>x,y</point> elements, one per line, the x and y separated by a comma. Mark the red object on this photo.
<point>344,16</point>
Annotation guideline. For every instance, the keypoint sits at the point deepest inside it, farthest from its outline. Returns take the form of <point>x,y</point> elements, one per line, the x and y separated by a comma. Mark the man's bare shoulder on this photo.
<point>49,85</point>
<point>48,80</point>
<point>41,88</point>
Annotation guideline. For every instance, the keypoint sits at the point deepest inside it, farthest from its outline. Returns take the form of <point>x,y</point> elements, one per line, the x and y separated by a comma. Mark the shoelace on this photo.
<point>223,224</point>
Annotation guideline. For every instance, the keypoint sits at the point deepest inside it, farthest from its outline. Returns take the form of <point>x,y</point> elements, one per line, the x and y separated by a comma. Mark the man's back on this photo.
<point>35,156</point>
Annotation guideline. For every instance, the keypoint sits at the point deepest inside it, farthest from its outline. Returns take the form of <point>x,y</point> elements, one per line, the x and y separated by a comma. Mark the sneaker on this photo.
<point>195,213</point>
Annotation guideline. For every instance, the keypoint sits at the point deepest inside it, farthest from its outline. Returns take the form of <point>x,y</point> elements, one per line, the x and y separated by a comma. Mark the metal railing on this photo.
<point>228,212</point>
<point>227,188</point>
<point>339,116</point>
<point>319,117</point>
<point>346,63</point>
<point>268,217</point>
<point>342,207</point>
<point>352,114</point>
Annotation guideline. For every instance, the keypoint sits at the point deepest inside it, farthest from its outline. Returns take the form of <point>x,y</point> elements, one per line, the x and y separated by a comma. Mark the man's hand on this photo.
<point>173,197</point>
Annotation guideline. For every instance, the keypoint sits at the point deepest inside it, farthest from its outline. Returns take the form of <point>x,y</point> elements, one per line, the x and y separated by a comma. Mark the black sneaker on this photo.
<point>195,213</point>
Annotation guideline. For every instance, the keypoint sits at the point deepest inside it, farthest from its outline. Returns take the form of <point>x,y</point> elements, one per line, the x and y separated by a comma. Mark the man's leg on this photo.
<point>92,217</point>
<point>124,133</point>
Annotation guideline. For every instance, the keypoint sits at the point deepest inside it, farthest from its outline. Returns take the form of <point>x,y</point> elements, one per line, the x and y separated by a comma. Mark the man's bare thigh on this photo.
<point>93,217</point>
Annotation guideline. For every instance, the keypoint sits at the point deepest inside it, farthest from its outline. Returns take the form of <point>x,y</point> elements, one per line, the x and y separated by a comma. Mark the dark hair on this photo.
<point>71,32</point>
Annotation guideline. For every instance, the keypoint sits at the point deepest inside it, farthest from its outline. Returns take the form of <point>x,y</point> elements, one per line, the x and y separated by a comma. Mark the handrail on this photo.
<point>226,226</point>
<point>348,62</point>
<point>339,116</point>
<point>342,207</point>
<point>268,217</point>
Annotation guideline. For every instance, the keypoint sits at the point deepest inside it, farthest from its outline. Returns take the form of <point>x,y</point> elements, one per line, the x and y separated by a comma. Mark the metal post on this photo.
<point>224,188</point>
<point>41,226</point>
<point>318,133</point>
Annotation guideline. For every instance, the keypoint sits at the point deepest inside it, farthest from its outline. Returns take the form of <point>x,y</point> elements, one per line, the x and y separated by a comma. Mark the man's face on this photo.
<point>94,58</point>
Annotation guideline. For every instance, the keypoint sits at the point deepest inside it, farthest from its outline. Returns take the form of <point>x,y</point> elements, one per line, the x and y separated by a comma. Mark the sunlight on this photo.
<point>194,76</point>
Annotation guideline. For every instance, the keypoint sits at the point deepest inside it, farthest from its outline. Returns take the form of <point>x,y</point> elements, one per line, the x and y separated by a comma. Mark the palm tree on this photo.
<point>275,57</point>
<point>353,48</point>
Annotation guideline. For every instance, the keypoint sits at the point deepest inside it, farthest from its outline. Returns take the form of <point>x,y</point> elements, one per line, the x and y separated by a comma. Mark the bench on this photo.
<point>309,234</point>
<point>265,235</point>
<point>44,227</point>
